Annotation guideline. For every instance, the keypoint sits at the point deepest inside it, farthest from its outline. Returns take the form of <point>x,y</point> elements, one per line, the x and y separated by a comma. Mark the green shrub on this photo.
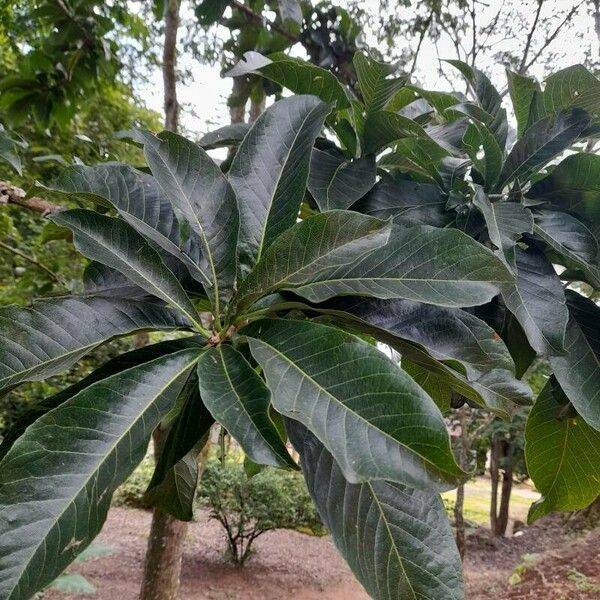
<point>247,506</point>
<point>131,493</point>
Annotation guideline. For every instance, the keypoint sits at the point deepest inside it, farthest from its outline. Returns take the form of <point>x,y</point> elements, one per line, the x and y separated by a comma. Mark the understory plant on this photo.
<point>427,225</point>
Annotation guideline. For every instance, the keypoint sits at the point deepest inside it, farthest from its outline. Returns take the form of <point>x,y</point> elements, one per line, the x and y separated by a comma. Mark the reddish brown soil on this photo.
<point>292,565</point>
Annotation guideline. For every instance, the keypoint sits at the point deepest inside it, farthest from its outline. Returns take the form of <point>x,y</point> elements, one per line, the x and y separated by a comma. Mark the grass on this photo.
<point>478,494</point>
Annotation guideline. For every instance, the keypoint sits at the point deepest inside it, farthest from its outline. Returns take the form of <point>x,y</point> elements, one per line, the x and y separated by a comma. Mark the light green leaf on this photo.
<point>522,90</point>
<point>270,170</point>
<point>54,334</point>
<point>57,480</point>
<point>336,182</point>
<point>310,250</point>
<point>375,420</point>
<point>563,453</point>
<point>111,241</point>
<point>199,192</point>
<point>397,540</point>
<point>238,398</point>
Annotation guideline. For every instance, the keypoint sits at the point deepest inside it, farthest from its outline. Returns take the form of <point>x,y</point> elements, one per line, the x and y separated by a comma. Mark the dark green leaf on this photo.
<point>406,202</point>
<point>310,250</point>
<point>199,192</point>
<point>437,266</point>
<point>54,334</point>
<point>522,90</point>
<point>57,480</point>
<point>578,370</point>
<point>8,151</point>
<point>376,81</point>
<point>479,136</point>
<point>538,302</point>
<point>111,241</point>
<point>270,170</point>
<point>376,421</point>
<point>563,454</point>
<point>336,182</point>
<point>384,127</point>
<point>541,142</point>
<point>208,12</point>
<point>229,135</point>
<point>297,75</point>
<point>397,540</point>
<point>101,280</point>
<point>238,398</point>
<point>139,200</point>
<point>290,10</point>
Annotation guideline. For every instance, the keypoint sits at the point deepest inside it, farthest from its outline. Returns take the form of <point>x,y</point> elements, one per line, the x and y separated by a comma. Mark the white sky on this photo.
<point>205,93</point>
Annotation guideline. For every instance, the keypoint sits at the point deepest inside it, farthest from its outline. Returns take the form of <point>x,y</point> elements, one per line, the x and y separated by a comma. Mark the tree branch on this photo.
<point>421,38</point>
<point>33,261</point>
<point>11,194</point>
<point>522,68</point>
<point>259,19</point>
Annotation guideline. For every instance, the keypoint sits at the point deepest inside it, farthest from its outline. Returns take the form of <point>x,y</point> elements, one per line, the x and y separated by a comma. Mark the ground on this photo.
<point>542,563</point>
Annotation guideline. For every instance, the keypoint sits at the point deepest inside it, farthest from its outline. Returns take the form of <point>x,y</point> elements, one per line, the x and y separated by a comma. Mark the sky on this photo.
<point>204,94</point>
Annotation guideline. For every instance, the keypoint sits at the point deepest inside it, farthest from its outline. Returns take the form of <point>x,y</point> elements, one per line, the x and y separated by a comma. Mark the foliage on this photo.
<point>247,506</point>
<point>442,259</point>
<point>131,492</point>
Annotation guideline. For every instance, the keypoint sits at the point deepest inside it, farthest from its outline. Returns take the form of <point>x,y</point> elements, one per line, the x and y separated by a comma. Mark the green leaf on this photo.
<point>416,155</point>
<point>238,398</point>
<point>542,142</point>
<point>488,98</point>
<point>397,540</point>
<point>522,90</point>
<point>310,250</point>
<point>406,202</point>
<point>336,182</point>
<point>440,101</point>
<point>290,11</point>
<point>435,386</point>
<point>574,186</point>
<point>111,241</point>
<point>54,334</point>
<point>208,12</point>
<point>8,151</point>
<point>139,200</point>
<point>116,365</point>
<point>537,300</point>
<point>270,170</point>
<point>376,82</point>
<point>56,482</point>
<point>479,136</point>
<point>229,135</point>
<point>199,192</point>
<point>73,583</point>
<point>437,266</point>
<point>578,370</point>
<point>101,280</point>
<point>375,420</point>
<point>384,127</point>
<point>572,239</point>
<point>562,453</point>
<point>295,74</point>
<point>506,223</point>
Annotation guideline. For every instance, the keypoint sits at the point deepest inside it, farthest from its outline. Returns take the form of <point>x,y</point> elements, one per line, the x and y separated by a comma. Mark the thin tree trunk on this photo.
<point>169,69</point>
<point>256,108</point>
<point>507,480</point>
<point>494,476</point>
<point>463,457</point>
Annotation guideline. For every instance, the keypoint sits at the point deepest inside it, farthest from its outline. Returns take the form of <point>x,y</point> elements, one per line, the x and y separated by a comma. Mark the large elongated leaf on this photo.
<point>116,365</point>
<point>336,182</point>
<point>311,249</point>
<point>522,90</point>
<point>477,136</point>
<point>56,482</point>
<point>397,540</point>
<point>506,223</point>
<point>375,420</point>
<point>202,195</point>
<point>384,127</point>
<point>563,454</point>
<point>437,266</point>
<point>239,399</point>
<point>376,81</point>
<point>538,302</point>
<point>572,239</point>
<point>111,241</point>
<point>541,142</point>
<point>406,202</point>
<point>139,200</point>
<point>299,76</point>
<point>475,363</point>
<point>228,135</point>
<point>51,336</point>
<point>270,170</point>
<point>578,370</point>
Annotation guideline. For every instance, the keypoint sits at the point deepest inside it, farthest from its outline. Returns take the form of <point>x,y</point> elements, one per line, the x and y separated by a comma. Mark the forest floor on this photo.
<point>544,562</point>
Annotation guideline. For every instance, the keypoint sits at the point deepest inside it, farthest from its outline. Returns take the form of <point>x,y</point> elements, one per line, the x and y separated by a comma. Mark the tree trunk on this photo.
<point>256,108</point>
<point>507,480</point>
<point>169,70</point>
<point>463,459</point>
<point>494,477</point>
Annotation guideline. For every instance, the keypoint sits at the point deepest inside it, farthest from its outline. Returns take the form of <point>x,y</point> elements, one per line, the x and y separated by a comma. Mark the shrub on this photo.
<point>131,492</point>
<point>247,506</point>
